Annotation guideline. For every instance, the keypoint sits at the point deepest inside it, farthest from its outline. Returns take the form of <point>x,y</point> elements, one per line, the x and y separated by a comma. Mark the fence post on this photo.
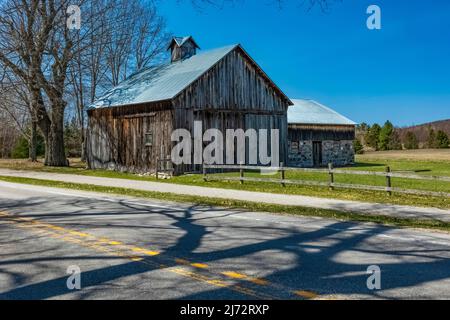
<point>241,174</point>
<point>388,180</point>
<point>283,175</point>
<point>170,168</point>
<point>331,175</point>
<point>205,178</point>
<point>166,165</point>
<point>157,167</point>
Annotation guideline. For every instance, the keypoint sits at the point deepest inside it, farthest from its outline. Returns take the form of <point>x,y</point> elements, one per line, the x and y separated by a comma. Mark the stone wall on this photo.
<point>300,154</point>
<point>340,153</point>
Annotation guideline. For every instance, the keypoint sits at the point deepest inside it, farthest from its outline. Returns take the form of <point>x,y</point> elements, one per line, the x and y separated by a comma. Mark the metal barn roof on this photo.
<point>312,112</point>
<point>161,82</point>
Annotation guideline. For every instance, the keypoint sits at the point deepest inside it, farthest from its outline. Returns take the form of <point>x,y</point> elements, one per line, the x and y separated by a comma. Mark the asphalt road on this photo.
<point>140,249</point>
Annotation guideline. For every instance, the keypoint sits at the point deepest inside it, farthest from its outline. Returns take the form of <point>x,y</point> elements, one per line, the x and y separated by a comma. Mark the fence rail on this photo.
<point>388,174</point>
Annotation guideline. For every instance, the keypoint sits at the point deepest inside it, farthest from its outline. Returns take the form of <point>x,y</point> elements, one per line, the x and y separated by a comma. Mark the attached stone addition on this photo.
<point>318,135</point>
<point>339,153</point>
<point>300,154</point>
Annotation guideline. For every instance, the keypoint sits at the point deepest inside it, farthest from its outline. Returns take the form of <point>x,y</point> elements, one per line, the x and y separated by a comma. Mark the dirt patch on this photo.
<point>422,154</point>
<point>28,165</point>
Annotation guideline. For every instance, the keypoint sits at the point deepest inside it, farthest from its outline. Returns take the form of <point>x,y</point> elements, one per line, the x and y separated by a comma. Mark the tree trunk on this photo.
<point>33,142</point>
<point>83,144</point>
<point>55,155</point>
<point>87,148</point>
<point>83,151</point>
<point>42,118</point>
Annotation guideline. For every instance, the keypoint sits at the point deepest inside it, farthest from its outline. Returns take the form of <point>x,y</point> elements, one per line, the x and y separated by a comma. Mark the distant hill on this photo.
<point>421,131</point>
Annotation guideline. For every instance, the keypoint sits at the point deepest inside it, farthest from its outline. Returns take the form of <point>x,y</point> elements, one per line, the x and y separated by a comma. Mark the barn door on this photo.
<point>317,153</point>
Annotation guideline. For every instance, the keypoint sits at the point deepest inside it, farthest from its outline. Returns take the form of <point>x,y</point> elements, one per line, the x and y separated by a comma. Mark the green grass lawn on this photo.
<point>438,168</point>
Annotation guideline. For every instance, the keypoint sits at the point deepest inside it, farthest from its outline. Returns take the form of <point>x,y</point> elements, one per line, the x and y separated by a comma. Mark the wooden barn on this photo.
<point>130,127</point>
<point>318,135</point>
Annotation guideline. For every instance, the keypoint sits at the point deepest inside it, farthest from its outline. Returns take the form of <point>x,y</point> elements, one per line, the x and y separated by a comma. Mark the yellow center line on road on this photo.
<point>115,243</point>
<point>221,283</point>
<point>234,275</point>
<point>306,294</point>
<point>136,259</point>
<point>192,264</point>
<point>80,234</point>
<point>25,219</point>
<point>241,276</point>
<point>145,251</point>
<point>200,265</point>
<point>66,235</point>
<point>258,281</point>
<point>133,253</point>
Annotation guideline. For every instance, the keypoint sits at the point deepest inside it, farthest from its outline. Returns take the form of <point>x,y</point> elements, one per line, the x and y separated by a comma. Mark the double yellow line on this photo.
<point>201,272</point>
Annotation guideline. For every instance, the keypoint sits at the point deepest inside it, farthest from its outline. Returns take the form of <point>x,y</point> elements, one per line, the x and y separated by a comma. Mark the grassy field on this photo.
<point>399,161</point>
<point>413,155</point>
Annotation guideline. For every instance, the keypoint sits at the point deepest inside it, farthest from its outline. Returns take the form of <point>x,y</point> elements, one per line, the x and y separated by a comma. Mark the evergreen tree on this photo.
<point>431,141</point>
<point>411,141</point>
<point>72,139</point>
<point>385,136</point>
<point>358,147</point>
<point>372,136</point>
<point>442,140</point>
<point>22,148</point>
<point>363,127</point>
<point>395,142</point>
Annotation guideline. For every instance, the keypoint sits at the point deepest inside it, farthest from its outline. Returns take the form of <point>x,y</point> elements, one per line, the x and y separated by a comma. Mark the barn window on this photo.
<point>149,139</point>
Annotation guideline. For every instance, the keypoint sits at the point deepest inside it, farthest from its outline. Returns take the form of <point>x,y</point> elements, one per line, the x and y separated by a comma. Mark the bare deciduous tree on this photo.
<point>56,64</point>
<point>127,37</point>
<point>324,5</point>
<point>33,35</point>
<point>14,116</point>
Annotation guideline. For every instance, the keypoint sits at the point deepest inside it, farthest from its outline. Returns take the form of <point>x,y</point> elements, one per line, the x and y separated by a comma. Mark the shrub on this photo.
<point>411,141</point>
<point>358,147</point>
<point>442,140</point>
<point>22,148</point>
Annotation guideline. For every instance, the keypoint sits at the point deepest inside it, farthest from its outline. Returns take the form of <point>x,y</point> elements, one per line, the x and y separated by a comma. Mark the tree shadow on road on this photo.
<point>330,259</point>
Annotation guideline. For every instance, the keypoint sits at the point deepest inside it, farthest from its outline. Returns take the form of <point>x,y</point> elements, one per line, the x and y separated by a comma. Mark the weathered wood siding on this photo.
<point>298,132</point>
<point>117,137</point>
<point>187,50</point>
<point>234,94</point>
<point>235,83</point>
<point>334,143</point>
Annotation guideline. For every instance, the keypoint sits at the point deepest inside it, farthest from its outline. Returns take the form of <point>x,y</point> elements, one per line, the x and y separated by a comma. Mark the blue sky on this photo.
<point>401,72</point>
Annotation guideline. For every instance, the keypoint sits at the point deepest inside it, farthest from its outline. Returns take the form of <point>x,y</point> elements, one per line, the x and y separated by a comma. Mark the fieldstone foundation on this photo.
<point>300,154</point>
<point>339,153</point>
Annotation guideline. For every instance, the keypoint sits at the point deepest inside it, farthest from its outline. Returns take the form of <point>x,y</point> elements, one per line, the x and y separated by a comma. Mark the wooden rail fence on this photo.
<point>331,184</point>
